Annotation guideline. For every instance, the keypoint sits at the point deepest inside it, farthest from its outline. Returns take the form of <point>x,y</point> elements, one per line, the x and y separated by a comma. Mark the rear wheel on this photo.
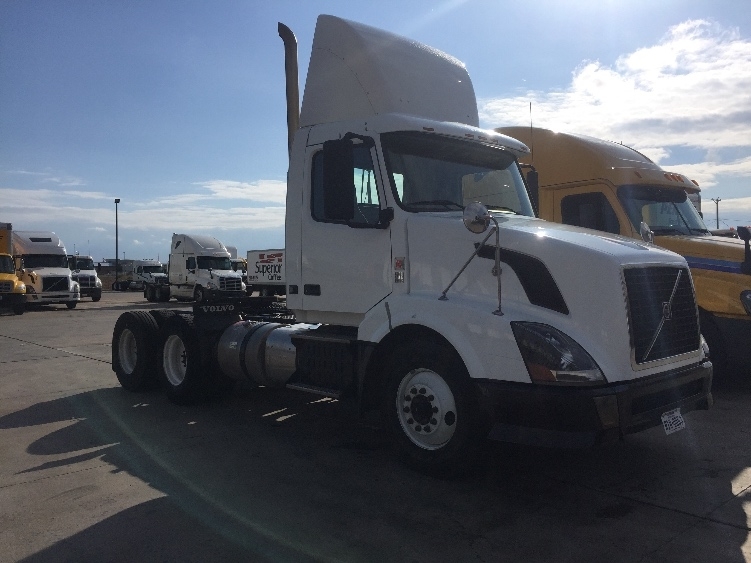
<point>431,410</point>
<point>180,368</point>
<point>134,350</point>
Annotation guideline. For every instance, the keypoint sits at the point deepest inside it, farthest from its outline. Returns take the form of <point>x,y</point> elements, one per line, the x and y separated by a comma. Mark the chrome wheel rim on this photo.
<point>127,351</point>
<point>426,409</point>
<point>175,360</point>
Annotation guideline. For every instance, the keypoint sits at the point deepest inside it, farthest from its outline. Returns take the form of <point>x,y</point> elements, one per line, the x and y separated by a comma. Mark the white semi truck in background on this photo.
<point>42,265</point>
<point>199,270</point>
<point>84,273</point>
<point>419,282</point>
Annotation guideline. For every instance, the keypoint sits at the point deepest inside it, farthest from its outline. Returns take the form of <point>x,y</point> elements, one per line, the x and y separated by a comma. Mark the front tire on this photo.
<point>71,304</point>
<point>96,296</point>
<point>431,410</point>
<point>134,351</point>
<point>19,308</point>
<point>181,371</point>
<point>199,296</point>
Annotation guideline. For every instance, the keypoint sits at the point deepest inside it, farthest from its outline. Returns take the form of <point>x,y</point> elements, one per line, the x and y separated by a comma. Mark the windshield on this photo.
<point>213,263</point>
<point>154,269</point>
<point>45,261</point>
<point>6,265</point>
<point>666,211</point>
<point>82,264</point>
<point>433,173</point>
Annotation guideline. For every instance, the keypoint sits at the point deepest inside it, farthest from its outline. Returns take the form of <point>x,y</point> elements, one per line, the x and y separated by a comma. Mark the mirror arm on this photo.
<point>456,277</point>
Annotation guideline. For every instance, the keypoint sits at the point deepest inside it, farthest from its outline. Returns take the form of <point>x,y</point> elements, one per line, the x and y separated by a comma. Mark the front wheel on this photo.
<point>71,304</point>
<point>96,296</point>
<point>199,296</point>
<point>431,411</point>
<point>19,308</point>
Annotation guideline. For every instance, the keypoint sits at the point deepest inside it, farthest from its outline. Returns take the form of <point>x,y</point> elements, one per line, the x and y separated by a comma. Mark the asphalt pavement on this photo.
<point>91,472</point>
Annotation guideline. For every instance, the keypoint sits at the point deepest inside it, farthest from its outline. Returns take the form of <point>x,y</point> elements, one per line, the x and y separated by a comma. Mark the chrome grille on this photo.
<point>230,284</point>
<point>55,283</point>
<point>85,281</point>
<point>662,312</point>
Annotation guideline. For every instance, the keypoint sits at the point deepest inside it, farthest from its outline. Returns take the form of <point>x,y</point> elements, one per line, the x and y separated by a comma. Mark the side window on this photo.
<point>591,210</point>
<point>364,189</point>
<point>190,263</point>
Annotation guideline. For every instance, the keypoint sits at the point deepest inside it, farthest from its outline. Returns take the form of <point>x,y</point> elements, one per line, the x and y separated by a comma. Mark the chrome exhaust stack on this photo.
<point>293,88</point>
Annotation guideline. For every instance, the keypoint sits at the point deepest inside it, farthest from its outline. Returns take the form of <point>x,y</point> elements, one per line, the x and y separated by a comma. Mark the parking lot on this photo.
<point>90,472</point>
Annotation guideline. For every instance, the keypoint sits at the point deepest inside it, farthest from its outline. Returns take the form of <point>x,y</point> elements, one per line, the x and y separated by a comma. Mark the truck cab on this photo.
<point>85,274</point>
<point>610,187</point>
<point>12,290</point>
<point>41,263</point>
<point>200,269</point>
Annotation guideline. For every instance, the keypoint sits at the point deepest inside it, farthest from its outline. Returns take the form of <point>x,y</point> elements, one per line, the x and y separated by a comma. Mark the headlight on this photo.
<point>212,285</point>
<point>75,287</point>
<point>98,282</point>
<point>746,300</point>
<point>243,285</point>
<point>553,357</point>
<point>22,287</point>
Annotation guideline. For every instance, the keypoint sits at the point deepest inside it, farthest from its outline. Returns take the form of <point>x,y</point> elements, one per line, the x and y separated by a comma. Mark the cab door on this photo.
<point>346,233</point>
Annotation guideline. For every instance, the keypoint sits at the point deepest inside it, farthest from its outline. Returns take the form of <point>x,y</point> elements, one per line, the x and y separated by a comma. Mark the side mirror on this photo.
<point>338,180</point>
<point>476,217</point>
<point>646,233</point>
<point>744,233</point>
<point>385,216</point>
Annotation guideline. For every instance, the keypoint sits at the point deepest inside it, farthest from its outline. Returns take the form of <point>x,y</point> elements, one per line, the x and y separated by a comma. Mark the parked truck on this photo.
<point>200,270</point>
<point>419,282</point>
<point>12,290</point>
<point>610,187</point>
<point>140,275</point>
<point>266,272</point>
<point>41,263</point>
<point>84,272</point>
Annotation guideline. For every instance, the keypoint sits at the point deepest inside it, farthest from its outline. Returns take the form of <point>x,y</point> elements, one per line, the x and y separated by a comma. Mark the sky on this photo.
<point>177,107</point>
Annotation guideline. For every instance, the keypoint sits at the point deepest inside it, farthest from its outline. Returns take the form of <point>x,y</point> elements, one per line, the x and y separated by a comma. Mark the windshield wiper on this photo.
<point>501,208</point>
<point>448,204</point>
<point>666,231</point>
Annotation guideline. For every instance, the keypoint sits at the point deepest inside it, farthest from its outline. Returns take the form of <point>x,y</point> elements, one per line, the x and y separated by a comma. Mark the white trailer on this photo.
<point>426,288</point>
<point>266,272</point>
<point>42,265</point>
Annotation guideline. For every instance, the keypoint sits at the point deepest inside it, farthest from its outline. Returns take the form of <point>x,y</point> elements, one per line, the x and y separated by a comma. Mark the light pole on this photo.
<point>117,250</point>
<point>717,207</point>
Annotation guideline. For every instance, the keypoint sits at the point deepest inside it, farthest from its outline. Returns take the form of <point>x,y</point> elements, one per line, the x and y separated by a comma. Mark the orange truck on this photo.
<point>610,187</point>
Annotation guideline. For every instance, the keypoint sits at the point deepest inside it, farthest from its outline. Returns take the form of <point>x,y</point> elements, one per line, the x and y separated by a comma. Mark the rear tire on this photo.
<point>134,350</point>
<point>431,410</point>
<point>181,372</point>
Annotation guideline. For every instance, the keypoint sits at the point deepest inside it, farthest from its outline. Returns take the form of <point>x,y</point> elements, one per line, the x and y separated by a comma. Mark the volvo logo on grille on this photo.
<point>667,314</point>
<point>217,308</point>
<point>667,311</point>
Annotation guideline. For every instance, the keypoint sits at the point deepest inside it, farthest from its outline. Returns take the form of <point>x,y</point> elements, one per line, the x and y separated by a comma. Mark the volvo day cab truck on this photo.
<point>419,282</point>
<point>200,270</point>
<point>610,187</point>
<point>42,265</point>
<point>84,272</point>
<point>12,290</point>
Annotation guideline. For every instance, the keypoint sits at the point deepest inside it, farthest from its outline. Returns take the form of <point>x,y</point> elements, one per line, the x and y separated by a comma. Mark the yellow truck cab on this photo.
<point>12,290</point>
<point>610,187</point>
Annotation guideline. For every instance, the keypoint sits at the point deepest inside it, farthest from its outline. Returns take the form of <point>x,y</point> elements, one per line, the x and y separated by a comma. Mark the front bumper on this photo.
<point>11,299</point>
<point>570,416</point>
<point>54,297</point>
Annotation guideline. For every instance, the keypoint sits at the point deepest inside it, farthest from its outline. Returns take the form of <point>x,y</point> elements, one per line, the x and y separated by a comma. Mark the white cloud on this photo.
<point>269,191</point>
<point>690,90</point>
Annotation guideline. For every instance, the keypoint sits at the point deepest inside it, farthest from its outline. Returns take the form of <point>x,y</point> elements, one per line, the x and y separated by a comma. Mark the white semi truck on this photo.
<point>42,265</point>
<point>200,270</point>
<point>84,273</point>
<point>420,283</point>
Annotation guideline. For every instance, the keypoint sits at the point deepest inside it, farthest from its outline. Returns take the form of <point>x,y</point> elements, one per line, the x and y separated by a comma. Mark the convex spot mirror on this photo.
<point>476,217</point>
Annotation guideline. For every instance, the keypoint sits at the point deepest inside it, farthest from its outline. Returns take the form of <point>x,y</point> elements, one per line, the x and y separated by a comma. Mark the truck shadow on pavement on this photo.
<point>280,476</point>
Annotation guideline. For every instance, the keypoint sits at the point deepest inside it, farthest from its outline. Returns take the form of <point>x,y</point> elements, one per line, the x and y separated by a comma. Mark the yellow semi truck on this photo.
<point>610,187</point>
<point>12,290</point>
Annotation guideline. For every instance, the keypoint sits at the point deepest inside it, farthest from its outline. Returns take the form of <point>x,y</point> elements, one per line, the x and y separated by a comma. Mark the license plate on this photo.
<point>672,421</point>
